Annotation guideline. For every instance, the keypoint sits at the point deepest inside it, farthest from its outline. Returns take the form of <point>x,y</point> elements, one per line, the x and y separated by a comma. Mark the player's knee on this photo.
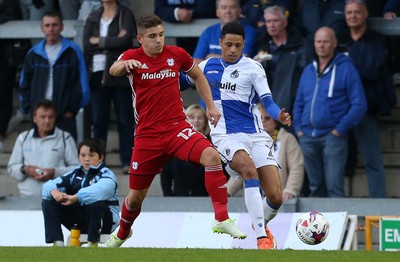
<point>275,199</point>
<point>133,201</point>
<point>210,157</point>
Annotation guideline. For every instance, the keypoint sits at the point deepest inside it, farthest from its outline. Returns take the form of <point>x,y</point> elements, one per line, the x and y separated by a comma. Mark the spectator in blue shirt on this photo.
<point>208,45</point>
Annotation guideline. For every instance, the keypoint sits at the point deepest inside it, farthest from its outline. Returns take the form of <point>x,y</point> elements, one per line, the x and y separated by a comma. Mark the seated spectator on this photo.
<point>55,69</point>
<point>182,11</point>
<point>253,10</point>
<point>182,178</point>
<point>287,153</point>
<point>41,153</point>
<point>391,9</point>
<point>329,102</point>
<point>208,45</point>
<point>86,197</point>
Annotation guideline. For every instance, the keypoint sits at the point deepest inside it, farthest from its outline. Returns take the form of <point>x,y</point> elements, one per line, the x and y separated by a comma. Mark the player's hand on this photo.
<point>132,64</point>
<point>284,117</point>
<point>213,116</point>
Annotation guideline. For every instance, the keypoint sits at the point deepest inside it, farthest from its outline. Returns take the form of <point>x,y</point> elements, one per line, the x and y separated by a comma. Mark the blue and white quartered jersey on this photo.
<point>236,89</point>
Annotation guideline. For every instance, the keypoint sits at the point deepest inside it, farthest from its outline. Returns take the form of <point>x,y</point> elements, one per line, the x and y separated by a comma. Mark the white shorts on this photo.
<point>259,146</point>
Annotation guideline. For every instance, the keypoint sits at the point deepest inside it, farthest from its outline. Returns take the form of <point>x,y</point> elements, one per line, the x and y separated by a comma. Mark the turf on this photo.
<point>192,255</point>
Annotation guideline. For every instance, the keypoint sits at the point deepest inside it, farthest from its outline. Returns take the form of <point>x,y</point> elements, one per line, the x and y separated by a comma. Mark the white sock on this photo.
<point>59,243</point>
<point>269,212</point>
<point>253,201</point>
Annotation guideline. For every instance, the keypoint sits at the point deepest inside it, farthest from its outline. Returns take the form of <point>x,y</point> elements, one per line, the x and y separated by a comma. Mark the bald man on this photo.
<point>330,100</point>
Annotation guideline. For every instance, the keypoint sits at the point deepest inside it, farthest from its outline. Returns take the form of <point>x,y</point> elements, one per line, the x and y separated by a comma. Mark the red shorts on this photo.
<point>151,152</point>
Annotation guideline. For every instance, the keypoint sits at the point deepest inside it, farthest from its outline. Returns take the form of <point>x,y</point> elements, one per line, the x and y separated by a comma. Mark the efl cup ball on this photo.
<point>312,228</point>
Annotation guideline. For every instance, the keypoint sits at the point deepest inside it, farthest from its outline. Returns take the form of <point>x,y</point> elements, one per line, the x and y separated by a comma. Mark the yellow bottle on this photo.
<point>75,234</point>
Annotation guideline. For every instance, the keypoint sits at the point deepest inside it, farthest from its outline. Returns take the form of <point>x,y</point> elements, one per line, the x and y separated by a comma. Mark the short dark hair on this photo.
<point>233,28</point>
<point>53,13</point>
<point>95,145</point>
<point>148,21</point>
<point>46,104</point>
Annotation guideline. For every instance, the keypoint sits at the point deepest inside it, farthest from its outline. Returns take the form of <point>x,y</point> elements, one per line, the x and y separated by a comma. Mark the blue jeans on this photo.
<point>366,134</point>
<point>324,160</point>
<point>101,98</point>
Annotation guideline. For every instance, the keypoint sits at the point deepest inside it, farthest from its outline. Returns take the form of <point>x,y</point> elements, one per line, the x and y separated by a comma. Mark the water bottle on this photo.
<point>75,235</point>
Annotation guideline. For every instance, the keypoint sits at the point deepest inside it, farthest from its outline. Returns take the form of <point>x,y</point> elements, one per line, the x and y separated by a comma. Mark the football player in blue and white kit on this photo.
<point>237,84</point>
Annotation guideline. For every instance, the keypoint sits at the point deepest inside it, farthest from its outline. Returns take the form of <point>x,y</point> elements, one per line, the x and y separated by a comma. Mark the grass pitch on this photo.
<point>193,255</point>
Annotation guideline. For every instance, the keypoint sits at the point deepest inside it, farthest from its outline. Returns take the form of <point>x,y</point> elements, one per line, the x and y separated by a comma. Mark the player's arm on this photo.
<point>121,67</point>
<point>203,88</point>
<point>273,110</point>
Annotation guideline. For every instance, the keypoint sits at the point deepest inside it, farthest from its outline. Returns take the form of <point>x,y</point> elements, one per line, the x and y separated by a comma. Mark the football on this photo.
<point>312,228</point>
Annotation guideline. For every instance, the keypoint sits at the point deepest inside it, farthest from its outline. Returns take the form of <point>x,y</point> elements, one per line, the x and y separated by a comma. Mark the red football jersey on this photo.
<point>155,87</point>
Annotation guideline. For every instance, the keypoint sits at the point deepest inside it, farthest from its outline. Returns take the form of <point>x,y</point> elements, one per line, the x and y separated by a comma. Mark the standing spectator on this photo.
<point>108,32</point>
<point>182,178</point>
<point>86,196</point>
<point>368,52</point>
<point>55,69</point>
<point>42,152</point>
<point>283,53</point>
<point>9,10</point>
<point>318,13</point>
<point>183,11</point>
<point>208,45</point>
<point>330,101</point>
<point>80,9</point>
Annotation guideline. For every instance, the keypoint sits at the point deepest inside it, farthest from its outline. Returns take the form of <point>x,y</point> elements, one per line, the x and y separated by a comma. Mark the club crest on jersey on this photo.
<point>235,74</point>
<point>228,151</point>
<point>170,61</point>
<point>135,165</point>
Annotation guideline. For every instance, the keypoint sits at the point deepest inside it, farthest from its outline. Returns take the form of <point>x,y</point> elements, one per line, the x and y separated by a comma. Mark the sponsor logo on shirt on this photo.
<point>166,73</point>
<point>212,72</point>
<point>226,86</point>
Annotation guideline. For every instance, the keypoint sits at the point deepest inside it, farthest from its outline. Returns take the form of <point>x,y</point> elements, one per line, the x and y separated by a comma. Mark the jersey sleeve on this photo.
<point>128,54</point>
<point>259,79</point>
<point>187,61</point>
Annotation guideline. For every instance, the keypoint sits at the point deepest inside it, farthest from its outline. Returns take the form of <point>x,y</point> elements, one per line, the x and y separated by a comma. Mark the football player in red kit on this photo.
<point>162,130</point>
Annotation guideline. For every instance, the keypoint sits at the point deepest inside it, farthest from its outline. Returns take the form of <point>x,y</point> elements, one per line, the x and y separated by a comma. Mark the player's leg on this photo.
<point>215,181</point>
<point>147,161</point>
<point>131,209</point>
<point>243,164</point>
<point>271,185</point>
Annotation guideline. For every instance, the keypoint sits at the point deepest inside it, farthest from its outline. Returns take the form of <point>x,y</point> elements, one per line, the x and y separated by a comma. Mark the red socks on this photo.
<point>215,181</point>
<point>128,216</point>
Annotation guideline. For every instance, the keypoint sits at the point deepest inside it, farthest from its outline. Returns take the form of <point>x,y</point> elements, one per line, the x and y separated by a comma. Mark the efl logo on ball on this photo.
<point>312,228</point>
